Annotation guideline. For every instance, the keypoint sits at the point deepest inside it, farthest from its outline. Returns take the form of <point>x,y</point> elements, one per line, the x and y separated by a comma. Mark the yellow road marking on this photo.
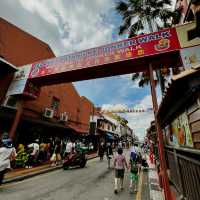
<point>138,196</point>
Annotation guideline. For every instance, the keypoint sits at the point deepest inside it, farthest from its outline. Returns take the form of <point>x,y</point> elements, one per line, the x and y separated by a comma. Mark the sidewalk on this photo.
<point>22,173</point>
<point>156,192</point>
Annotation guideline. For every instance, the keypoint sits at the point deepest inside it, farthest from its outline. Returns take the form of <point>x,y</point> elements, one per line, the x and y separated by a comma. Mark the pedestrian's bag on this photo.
<point>53,157</point>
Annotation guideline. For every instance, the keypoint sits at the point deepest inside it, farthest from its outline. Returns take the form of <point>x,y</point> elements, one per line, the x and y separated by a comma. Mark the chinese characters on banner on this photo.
<point>141,46</point>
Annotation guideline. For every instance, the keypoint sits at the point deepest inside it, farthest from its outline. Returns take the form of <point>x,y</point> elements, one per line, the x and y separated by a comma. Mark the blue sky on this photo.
<point>71,25</point>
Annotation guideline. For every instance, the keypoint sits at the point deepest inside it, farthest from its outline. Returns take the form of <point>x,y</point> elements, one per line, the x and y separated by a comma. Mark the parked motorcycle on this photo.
<point>77,158</point>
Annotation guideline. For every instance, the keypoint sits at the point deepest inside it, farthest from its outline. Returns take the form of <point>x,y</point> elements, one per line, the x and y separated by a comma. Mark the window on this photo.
<point>55,103</point>
<point>10,101</point>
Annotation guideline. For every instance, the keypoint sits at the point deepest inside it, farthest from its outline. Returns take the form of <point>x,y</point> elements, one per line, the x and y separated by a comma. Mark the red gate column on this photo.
<point>165,181</point>
<point>16,120</point>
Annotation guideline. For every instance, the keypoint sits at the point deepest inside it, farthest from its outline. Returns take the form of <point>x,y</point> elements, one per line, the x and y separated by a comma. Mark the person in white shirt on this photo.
<point>5,154</point>
<point>35,147</point>
<point>68,149</point>
<point>33,155</point>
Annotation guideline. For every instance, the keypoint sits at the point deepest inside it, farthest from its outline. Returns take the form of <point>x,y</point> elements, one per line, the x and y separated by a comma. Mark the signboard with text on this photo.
<point>21,85</point>
<point>140,46</point>
<point>19,81</point>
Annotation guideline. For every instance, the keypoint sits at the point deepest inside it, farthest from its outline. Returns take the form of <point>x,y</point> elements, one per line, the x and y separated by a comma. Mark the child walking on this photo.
<point>119,165</point>
<point>134,167</point>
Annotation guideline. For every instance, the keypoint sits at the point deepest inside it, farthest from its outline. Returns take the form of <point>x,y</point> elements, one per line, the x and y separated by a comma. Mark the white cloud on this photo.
<point>40,7</point>
<point>87,24</point>
<point>146,102</point>
<point>66,25</point>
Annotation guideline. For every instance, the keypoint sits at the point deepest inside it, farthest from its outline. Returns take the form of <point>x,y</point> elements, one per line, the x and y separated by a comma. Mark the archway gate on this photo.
<point>142,53</point>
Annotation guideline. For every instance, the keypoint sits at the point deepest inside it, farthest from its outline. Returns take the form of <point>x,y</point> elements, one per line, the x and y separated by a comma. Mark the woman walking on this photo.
<point>119,165</point>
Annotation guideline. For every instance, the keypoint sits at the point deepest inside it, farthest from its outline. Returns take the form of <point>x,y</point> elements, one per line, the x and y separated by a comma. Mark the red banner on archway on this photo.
<point>137,47</point>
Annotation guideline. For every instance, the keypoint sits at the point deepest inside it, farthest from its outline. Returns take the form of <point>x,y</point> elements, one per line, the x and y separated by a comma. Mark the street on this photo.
<point>93,182</point>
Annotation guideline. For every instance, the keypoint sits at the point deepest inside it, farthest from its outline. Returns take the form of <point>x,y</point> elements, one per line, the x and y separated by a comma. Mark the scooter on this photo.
<point>76,159</point>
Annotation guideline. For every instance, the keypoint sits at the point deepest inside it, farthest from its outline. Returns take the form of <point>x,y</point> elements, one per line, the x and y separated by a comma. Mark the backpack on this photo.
<point>133,155</point>
<point>134,167</point>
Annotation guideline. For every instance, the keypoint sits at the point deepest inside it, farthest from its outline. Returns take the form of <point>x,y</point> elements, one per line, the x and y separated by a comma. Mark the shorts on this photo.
<point>133,176</point>
<point>119,173</point>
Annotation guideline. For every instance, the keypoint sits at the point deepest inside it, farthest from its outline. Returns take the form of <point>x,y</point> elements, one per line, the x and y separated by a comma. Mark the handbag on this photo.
<point>53,157</point>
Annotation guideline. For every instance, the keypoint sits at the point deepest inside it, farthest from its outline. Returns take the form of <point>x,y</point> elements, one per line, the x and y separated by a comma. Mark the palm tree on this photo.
<point>137,15</point>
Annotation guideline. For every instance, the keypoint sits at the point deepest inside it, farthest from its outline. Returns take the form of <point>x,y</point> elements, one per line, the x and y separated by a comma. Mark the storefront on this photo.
<point>31,128</point>
<point>179,116</point>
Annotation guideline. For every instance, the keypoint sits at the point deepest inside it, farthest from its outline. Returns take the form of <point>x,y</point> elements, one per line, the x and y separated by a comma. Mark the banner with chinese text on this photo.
<point>137,47</point>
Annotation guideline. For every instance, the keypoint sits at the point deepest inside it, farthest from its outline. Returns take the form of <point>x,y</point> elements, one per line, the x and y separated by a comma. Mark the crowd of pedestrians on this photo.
<point>27,156</point>
<point>35,153</point>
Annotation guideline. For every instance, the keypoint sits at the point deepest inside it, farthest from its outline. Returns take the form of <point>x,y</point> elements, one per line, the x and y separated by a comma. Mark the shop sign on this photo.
<point>181,131</point>
<point>183,34</point>
<point>190,56</point>
<point>184,125</point>
<point>21,85</point>
<point>168,135</point>
<point>175,127</point>
<point>20,78</point>
<point>140,46</point>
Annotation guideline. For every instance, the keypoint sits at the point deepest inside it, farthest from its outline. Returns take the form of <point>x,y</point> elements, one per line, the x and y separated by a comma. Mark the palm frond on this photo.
<point>135,28</point>
<point>143,82</point>
<point>121,7</point>
<point>176,16</point>
<point>162,3</point>
<point>135,76</point>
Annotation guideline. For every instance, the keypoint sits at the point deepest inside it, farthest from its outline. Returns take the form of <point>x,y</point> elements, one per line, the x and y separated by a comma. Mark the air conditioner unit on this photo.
<point>48,113</point>
<point>63,117</point>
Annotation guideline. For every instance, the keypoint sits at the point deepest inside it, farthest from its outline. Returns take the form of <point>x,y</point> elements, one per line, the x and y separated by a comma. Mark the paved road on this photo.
<point>95,182</point>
